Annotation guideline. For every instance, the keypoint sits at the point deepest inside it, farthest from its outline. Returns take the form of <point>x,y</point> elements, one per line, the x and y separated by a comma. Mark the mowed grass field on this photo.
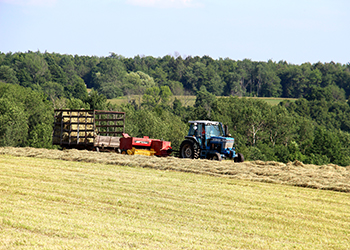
<point>188,100</point>
<point>62,204</point>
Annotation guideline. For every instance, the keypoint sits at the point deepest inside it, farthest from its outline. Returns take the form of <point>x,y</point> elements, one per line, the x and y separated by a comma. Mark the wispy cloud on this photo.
<point>30,2</point>
<point>165,3</point>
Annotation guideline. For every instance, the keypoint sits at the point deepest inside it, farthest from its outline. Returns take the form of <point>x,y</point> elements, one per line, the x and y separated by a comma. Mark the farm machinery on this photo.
<point>101,130</point>
<point>88,129</point>
<point>209,140</point>
<point>144,146</point>
<point>105,131</point>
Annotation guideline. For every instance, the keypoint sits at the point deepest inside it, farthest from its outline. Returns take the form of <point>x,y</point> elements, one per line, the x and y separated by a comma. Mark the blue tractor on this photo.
<point>209,140</point>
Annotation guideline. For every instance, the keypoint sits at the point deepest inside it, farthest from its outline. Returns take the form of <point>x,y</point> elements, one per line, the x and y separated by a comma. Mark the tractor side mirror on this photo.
<point>226,131</point>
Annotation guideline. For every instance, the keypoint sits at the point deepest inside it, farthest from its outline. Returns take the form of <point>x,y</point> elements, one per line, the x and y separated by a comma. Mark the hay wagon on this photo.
<point>88,129</point>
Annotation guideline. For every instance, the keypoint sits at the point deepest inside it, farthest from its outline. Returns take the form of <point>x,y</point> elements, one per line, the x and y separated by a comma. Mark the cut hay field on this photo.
<point>70,199</point>
<point>188,100</point>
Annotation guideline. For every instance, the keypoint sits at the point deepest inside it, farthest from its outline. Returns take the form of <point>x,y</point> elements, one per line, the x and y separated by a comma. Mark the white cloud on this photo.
<point>164,3</point>
<point>30,2</point>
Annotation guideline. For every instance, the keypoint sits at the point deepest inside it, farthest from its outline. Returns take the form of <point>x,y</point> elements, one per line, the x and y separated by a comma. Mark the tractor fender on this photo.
<point>192,138</point>
<point>195,141</point>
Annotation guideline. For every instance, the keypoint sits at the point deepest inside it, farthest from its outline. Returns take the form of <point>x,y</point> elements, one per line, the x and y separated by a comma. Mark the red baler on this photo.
<point>144,146</point>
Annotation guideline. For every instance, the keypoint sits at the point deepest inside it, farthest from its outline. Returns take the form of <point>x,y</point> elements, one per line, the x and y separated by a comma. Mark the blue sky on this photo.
<point>296,31</point>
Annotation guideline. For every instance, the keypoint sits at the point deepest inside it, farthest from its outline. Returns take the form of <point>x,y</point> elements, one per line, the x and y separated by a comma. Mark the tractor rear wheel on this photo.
<point>189,149</point>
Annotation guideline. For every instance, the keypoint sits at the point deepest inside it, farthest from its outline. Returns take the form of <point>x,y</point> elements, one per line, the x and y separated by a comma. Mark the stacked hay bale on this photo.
<point>74,127</point>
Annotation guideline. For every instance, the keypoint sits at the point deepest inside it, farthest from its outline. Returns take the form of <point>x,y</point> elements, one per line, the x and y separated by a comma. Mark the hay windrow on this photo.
<point>327,177</point>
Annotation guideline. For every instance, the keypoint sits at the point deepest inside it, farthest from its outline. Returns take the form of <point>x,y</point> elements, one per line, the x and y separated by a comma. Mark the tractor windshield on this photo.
<point>196,130</point>
<point>214,130</point>
<point>209,130</point>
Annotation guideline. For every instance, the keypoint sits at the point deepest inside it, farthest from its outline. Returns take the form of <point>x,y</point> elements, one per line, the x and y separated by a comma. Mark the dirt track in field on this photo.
<point>327,177</point>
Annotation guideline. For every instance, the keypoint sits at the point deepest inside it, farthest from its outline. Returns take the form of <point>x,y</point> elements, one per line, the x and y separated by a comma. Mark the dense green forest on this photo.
<point>313,129</point>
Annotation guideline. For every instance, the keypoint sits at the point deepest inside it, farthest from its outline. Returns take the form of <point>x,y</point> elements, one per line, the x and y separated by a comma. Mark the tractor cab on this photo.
<point>203,130</point>
<point>208,140</point>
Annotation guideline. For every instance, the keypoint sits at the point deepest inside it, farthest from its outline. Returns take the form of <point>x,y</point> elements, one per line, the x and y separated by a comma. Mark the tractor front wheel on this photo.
<point>239,158</point>
<point>189,149</point>
<point>216,157</point>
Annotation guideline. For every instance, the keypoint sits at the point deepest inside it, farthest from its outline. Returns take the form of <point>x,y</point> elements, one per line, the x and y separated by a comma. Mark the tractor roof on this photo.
<point>205,122</point>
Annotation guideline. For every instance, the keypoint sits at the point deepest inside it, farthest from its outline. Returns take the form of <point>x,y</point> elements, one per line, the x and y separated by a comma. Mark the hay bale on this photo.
<point>81,122</point>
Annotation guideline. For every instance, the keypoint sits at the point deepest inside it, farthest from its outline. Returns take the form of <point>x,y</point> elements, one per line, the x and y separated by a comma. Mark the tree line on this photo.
<point>68,76</point>
<point>315,128</point>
